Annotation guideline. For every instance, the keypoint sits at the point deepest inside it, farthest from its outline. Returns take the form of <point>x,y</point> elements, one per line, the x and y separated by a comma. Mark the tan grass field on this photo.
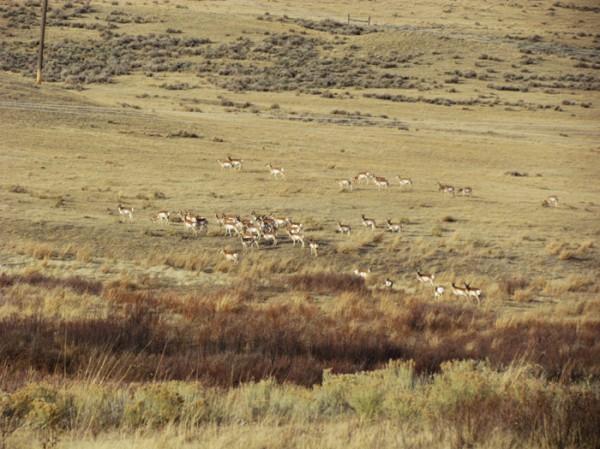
<point>466,93</point>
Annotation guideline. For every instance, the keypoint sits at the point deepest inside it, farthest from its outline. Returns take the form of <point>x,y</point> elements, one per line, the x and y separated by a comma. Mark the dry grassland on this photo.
<point>139,101</point>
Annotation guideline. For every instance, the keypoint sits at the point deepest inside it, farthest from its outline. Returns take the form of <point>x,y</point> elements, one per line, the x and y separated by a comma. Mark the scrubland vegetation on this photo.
<point>136,334</point>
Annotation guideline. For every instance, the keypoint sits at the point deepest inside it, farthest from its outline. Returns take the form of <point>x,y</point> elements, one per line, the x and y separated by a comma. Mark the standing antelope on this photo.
<point>162,217</point>
<point>362,272</point>
<point>314,246</point>
<point>438,291</point>
<point>362,175</point>
<point>473,292</point>
<point>296,237</point>
<point>380,182</point>
<point>279,220</point>
<point>404,181</point>
<point>125,211</point>
<point>224,163</point>
<point>189,222</point>
<point>345,183</point>
<point>425,278</point>
<point>344,229</point>
<point>230,227</point>
<point>465,191</point>
<point>368,222</point>
<point>236,164</point>
<point>231,256</point>
<point>249,240</point>
<point>446,188</point>
<point>270,237</point>
<point>394,227</point>
<point>275,170</point>
<point>459,291</point>
<point>550,201</point>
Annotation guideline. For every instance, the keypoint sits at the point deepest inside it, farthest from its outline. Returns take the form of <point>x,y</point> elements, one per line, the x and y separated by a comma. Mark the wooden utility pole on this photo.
<point>38,80</point>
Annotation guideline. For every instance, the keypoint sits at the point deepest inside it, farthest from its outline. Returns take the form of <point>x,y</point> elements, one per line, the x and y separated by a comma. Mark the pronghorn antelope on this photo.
<point>368,222</point>
<point>189,222</point>
<point>380,182</point>
<point>465,191</point>
<point>362,175</point>
<point>473,292</point>
<point>459,291</point>
<point>344,229</point>
<point>394,227</point>
<point>438,291</point>
<point>314,246</point>
<point>295,228</point>
<point>276,170</point>
<point>249,240</point>
<point>231,256</point>
<point>236,164</point>
<point>388,283</point>
<point>425,278</point>
<point>344,183</point>
<point>550,201</point>
<point>125,211</point>
<point>296,237</point>
<point>404,181</point>
<point>279,220</point>
<point>224,163</point>
<point>230,227</point>
<point>201,222</point>
<point>162,217</point>
<point>270,237</point>
<point>362,272</point>
<point>252,229</point>
<point>446,188</point>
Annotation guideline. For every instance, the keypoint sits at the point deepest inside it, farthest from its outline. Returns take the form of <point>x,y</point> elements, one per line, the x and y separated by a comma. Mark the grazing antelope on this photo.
<point>550,201</point>
<point>276,170</point>
<point>249,241</point>
<point>314,246</point>
<point>125,211</point>
<point>368,222</point>
<point>459,291</point>
<point>474,293</point>
<point>362,272</point>
<point>438,291</point>
<point>404,181</point>
<point>236,164</point>
<point>446,188</point>
<point>425,278</point>
<point>344,183</point>
<point>380,182</point>
<point>388,283</point>
<point>465,191</point>
<point>231,256</point>
<point>162,217</point>
<point>394,227</point>
<point>296,237</point>
<point>362,175</point>
<point>344,229</point>
<point>224,163</point>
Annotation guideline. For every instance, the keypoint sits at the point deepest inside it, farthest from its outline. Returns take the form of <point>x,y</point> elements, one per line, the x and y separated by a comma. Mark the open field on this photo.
<point>179,346</point>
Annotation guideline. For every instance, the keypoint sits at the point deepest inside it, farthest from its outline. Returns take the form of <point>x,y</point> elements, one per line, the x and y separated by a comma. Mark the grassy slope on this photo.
<point>63,170</point>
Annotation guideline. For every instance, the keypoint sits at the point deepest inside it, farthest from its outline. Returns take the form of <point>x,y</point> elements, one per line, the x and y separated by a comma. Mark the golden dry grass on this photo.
<point>495,90</point>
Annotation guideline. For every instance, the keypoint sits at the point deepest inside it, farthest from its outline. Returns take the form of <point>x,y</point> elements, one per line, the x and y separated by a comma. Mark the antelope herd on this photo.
<point>264,228</point>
